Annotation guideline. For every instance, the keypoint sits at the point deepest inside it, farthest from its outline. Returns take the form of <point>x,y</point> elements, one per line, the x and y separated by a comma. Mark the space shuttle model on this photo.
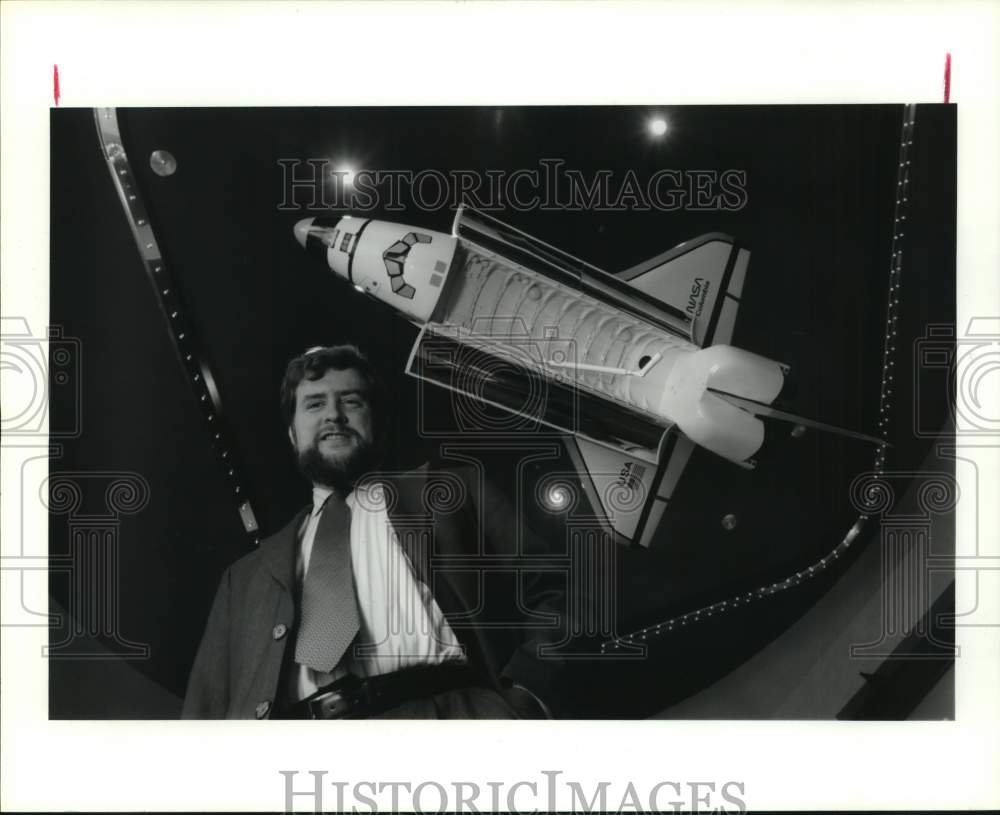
<point>634,369</point>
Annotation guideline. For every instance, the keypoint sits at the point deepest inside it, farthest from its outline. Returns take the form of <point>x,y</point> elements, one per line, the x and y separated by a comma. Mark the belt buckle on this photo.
<point>332,705</point>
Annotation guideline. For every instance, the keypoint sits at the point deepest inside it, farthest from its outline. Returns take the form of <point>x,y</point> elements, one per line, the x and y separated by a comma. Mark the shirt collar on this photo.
<point>320,494</point>
<point>371,496</point>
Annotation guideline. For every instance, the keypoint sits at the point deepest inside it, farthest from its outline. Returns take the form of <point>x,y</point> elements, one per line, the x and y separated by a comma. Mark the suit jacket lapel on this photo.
<point>278,551</point>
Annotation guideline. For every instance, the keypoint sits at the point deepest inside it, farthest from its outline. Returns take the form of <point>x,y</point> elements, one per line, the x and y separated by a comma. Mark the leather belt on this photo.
<point>351,697</point>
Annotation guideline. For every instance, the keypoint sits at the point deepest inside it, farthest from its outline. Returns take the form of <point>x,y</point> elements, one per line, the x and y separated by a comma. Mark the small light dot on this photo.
<point>657,126</point>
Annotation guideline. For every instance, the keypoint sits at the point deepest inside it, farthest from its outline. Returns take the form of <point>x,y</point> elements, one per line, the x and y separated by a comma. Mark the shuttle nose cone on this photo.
<point>302,230</point>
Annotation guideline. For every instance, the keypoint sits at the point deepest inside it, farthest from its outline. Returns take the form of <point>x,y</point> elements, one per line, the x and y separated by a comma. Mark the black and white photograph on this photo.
<point>611,410</point>
<point>577,413</point>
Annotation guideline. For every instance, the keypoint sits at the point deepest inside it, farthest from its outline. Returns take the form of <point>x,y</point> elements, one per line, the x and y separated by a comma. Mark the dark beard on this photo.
<point>338,474</point>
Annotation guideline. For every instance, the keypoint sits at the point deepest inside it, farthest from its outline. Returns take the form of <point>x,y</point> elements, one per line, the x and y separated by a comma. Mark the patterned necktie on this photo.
<point>330,618</point>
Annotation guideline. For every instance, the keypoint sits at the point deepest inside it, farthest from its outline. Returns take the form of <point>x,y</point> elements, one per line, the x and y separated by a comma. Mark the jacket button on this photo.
<point>279,631</point>
<point>263,709</point>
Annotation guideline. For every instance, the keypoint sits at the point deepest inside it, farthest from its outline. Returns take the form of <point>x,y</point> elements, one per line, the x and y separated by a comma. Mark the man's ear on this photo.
<point>291,437</point>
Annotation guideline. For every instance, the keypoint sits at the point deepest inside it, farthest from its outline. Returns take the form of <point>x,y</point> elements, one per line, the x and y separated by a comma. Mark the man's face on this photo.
<point>332,430</point>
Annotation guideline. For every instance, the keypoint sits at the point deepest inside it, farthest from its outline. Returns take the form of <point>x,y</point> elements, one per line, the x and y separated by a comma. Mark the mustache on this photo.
<point>344,431</point>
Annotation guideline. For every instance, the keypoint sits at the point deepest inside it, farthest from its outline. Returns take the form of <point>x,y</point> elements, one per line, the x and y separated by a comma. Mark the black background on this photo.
<point>818,222</point>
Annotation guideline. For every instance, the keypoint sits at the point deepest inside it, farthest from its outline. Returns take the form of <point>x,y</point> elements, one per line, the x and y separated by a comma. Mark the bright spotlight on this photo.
<point>347,173</point>
<point>557,497</point>
<point>657,126</point>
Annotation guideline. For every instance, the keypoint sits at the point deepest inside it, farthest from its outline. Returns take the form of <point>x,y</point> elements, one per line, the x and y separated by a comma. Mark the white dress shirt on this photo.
<point>401,623</point>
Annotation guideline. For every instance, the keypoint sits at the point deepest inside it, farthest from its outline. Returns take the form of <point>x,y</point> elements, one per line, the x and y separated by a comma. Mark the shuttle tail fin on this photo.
<point>703,278</point>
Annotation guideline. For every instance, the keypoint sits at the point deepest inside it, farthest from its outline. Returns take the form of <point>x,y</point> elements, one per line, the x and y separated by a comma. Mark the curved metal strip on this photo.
<point>193,364</point>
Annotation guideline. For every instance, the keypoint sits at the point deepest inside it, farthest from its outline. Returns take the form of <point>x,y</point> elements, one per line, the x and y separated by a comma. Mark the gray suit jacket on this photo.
<point>463,539</point>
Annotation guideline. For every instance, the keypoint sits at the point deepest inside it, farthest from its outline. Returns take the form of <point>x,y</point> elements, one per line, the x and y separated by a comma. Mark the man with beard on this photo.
<point>340,614</point>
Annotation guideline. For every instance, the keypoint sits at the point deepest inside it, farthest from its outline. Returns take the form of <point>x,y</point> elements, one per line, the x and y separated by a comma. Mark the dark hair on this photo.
<point>314,364</point>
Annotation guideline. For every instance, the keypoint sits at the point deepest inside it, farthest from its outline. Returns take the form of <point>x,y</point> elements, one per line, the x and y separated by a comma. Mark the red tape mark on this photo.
<point>947,77</point>
<point>55,84</point>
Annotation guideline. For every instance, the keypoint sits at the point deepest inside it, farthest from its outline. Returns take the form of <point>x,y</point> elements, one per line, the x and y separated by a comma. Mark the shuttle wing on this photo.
<point>632,492</point>
<point>703,278</point>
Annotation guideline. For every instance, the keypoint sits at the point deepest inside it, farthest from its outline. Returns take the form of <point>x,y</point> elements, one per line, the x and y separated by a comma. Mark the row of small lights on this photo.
<point>895,276</point>
<point>895,273</point>
<point>197,372</point>
<point>723,606</point>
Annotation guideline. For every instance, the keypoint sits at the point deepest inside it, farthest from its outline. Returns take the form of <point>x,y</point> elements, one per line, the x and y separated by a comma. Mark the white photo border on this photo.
<point>186,54</point>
